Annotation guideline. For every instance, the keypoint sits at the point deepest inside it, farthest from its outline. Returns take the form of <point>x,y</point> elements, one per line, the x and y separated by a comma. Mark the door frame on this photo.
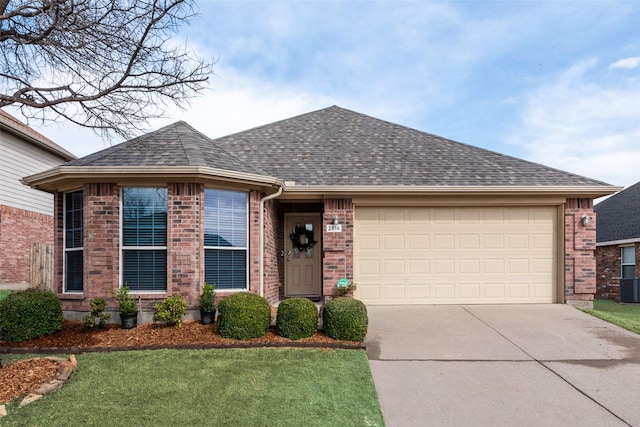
<point>317,219</point>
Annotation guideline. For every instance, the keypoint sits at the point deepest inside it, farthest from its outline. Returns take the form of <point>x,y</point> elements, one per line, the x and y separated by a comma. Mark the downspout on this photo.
<point>261,234</point>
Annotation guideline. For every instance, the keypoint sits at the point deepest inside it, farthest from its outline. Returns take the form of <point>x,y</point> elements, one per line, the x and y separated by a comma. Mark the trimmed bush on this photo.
<point>345,319</point>
<point>297,318</point>
<point>243,316</point>
<point>171,310</point>
<point>29,314</point>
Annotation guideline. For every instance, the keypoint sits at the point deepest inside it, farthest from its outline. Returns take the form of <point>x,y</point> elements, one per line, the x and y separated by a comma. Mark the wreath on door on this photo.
<point>302,238</point>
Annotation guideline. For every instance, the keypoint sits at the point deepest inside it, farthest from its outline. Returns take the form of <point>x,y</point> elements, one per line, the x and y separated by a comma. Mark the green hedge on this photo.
<point>345,319</point>
<point>297,318</point>
<point>29,314</point>
<point>243,316</point>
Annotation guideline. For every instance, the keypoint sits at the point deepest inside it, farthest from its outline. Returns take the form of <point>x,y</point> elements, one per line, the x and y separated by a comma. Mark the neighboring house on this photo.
<point>617,241</point>
<point>289,208</point>
<point>26,214</point>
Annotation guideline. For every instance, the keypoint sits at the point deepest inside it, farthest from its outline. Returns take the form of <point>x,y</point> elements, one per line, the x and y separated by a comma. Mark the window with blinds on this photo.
<point>225,239</point>
<point>144,239</point>
<point>73,242</point>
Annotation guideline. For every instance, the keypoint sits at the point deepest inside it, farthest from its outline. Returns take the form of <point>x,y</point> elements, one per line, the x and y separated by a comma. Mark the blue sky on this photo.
<point>555,82</point>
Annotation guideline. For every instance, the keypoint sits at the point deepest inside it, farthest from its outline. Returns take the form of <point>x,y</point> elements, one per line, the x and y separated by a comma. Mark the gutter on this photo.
<point>261,234</point>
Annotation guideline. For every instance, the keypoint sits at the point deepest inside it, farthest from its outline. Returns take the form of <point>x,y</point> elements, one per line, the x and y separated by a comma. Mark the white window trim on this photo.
<point>133,248</point>
<point>64,243</point>
<point>622,263</point>
<point>245,248</point>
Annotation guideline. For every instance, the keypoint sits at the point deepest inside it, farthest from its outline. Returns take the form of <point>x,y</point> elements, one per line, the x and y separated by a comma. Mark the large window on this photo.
<point>73,242</point>
<point>144,238</point>
<point>628,255</point>
<point>225,239</point>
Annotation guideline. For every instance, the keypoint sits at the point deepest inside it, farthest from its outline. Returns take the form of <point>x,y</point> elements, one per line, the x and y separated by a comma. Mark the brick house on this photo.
<point>289,208</point>
<point>617,241</point>
<point>26,214</point>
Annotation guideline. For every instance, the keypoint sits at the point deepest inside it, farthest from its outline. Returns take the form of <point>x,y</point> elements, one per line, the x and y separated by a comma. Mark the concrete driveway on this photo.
<point>516,365</point>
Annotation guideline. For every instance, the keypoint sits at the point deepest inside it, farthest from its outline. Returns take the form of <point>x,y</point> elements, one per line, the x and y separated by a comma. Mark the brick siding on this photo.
<point>19,228</point>
<point>580,245</point>
<point>608,269</point>
<point>337,247</point>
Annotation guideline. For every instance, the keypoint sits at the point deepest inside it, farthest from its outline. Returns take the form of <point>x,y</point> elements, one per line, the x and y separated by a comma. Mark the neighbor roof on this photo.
<point>618,217</point>
<point>329,150</point>
<point>13,125</point>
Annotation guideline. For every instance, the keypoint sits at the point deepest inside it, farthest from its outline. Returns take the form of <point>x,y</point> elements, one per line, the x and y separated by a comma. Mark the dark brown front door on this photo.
<point>302,266</point>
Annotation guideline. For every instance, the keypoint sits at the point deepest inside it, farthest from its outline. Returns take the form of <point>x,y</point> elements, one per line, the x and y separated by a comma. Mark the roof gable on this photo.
<point>618,217</point>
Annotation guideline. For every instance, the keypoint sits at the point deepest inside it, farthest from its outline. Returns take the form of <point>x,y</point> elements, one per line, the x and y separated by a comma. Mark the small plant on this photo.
<point>29,314</point>
<point>126,303</point>
<point>97,314</point>
<point>345,319</point>
<point>243,316</point>
<point>343,287</point>
<point>297,318</point>
<point>171,310</point>
<point>208,298</point>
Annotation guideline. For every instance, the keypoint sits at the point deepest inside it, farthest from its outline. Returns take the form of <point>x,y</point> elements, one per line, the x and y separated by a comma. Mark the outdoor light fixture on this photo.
<point>335,220</point>
<point>585,220</point>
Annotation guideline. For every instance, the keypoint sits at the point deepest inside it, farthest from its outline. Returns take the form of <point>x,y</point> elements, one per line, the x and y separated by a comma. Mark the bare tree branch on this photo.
<point>110,65</point>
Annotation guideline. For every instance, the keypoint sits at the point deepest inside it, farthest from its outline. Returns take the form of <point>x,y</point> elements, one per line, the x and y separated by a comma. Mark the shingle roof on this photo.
<point>335,147</point>
<point>175,145</point>
<point>618,217</point>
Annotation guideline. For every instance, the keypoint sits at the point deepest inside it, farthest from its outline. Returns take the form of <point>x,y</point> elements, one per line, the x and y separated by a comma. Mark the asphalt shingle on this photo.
<point>618,217</point>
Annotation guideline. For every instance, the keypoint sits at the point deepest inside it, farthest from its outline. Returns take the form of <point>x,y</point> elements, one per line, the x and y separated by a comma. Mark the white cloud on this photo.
<point>631,62</point>
<point>578,125</point>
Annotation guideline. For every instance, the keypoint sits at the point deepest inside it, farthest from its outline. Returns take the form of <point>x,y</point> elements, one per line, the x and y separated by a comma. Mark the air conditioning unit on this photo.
<point>630,290</point>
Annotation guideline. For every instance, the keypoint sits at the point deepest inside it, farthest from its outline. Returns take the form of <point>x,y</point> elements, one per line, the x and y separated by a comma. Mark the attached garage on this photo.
<point>456,255</point>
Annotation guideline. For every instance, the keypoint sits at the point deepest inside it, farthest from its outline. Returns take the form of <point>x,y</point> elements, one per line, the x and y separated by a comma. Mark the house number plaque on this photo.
<point>334,228</point>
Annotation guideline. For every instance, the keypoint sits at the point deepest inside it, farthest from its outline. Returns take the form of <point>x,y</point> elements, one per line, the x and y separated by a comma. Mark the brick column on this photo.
<point>184,241</point>
<point>337,247</point>
<point>580,245</point>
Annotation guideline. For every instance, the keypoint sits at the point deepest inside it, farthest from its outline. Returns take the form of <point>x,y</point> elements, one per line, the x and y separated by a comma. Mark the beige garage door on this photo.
<point>447,255</point>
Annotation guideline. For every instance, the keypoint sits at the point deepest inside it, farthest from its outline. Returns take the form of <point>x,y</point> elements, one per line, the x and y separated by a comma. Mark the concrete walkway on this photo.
<point>516,365</point>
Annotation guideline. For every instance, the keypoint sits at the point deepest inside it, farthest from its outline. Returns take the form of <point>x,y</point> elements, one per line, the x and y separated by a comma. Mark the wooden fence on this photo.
<point>41,266</point>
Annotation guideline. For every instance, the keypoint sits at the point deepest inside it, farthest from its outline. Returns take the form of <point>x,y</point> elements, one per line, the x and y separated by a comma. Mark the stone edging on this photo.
<point>65,369</point>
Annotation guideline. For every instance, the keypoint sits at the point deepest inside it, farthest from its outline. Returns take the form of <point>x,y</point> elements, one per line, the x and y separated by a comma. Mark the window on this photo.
<point>225,239</point>
<point>73,242</point>
<point>628,265</point>
<point>144,238</point>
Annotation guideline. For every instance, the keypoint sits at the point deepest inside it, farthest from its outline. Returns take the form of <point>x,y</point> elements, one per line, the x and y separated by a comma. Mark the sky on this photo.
<point>554,82</point>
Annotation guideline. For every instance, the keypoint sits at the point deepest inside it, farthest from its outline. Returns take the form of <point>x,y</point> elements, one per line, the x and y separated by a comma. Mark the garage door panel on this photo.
<point>455,255</point>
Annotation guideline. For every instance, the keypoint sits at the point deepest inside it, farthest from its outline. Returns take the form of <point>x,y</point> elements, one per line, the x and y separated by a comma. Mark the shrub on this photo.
<point>243,316</point>
<point>208,298</point>
<point>29,314</point>
<point>345,319</point>
<point>170,310</point>
<point>297,318</point>
<point>98,307</point>
<point>126,303</point>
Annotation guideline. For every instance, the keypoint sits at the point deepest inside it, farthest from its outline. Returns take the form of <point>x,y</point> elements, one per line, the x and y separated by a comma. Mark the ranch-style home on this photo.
<point>288,209</point>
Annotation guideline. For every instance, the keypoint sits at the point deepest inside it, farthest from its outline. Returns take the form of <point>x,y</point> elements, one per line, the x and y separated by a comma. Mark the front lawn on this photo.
<point>4,293</point>
<point>236,387</point>
<point>624,315</point>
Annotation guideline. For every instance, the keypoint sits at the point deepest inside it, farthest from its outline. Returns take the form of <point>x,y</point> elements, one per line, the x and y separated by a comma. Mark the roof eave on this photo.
<point>62,177</point>
<point>585,191</point>
<point>42,143</point>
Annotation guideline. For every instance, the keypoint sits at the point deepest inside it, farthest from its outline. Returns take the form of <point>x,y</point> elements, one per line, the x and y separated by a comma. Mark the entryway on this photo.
<point>303,255</point>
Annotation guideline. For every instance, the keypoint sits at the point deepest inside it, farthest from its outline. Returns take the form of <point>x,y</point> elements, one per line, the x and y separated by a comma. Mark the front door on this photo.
<point>302,242</point>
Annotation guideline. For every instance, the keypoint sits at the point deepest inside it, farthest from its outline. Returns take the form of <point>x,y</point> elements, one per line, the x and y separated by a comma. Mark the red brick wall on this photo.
<point>18,229</point>
<point>273,242</point>
<point>609,271</point>
<point>580,245</point>
<point>337,247</point>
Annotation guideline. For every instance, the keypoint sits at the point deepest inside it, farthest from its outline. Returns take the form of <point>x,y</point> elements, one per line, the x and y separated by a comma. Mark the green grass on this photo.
<point>234,387</point>
<point>4,293</point>
<point>623,315</point>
